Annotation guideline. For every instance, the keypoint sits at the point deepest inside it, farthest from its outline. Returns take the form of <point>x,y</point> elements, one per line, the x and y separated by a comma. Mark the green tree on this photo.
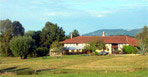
<point>56,46</point>
<point>42,51</point>
<point>7,31</point>
<point>18,29</point>
<point>35,35</point>
<point>143,36</point>
<point>75,33</point>
<point>51,32</point>
<point>95,44</point>
<point>129,49</point>
<point>22,45</point>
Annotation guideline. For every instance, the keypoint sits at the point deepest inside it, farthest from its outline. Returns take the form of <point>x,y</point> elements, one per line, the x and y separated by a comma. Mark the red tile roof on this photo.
<point>107,39</point>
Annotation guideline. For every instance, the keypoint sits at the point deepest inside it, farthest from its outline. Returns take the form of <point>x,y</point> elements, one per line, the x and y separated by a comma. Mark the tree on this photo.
<point>35,35</point>
<point>42,51</point>
<point>143,36</point>
<point>7,31</point>
<point>129,49</point>
<point>51,32</point>
<point>22,45</point>
<point>18,29</point>
<point>75,33</point>
<point>97,43</point>
<point>56,46</point>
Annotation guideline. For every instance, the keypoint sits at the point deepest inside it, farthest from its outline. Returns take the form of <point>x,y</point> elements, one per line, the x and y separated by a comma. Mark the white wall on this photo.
<point>120,46</point>
<point>73,45</point>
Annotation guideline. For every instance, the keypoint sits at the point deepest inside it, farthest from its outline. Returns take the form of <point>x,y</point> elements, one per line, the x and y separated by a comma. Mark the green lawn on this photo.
<point>76,65</point>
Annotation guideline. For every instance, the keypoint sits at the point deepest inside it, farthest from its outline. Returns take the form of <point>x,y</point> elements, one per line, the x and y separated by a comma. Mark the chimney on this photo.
<point>103,34</point>
<point>71,36</point>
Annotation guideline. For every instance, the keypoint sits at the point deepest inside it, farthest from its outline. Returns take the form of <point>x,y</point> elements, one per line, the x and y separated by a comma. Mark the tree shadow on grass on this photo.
<point>22,71</point>
<point>13,70</point>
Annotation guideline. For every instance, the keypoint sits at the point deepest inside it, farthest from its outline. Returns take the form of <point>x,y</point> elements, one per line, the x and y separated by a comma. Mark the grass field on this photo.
<point>76,65</point>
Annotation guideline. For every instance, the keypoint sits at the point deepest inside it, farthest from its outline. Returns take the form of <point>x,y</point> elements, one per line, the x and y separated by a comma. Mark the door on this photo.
<point>115,48</point>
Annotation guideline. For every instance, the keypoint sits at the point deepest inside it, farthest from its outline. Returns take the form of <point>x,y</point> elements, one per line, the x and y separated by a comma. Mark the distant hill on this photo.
<point>110,32</point>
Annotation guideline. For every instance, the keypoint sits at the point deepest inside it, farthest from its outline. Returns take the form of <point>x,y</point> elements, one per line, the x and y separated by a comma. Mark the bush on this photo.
<point>42,51</point>
<point>129,49</point>
<point>21,46</point>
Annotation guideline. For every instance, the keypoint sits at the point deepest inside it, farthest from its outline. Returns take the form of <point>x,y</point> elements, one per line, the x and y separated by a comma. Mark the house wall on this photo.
<point>72,45</point>
<point>120,46</point>
<point>108,47</point>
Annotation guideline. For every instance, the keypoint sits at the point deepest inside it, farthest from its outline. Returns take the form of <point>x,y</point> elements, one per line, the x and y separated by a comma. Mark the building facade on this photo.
<point>113,44</point>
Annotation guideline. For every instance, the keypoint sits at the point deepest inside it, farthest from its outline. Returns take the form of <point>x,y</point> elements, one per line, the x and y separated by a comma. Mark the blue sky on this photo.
<point>83,15</point>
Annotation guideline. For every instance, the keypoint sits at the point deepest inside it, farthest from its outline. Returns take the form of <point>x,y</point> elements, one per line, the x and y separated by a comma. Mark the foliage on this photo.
<point>51,32</point>
<point>21,46</point>
<point>143,37</point>
<point>18,29</point>
<point>35,35</point>
<point>75,33</point>
<point>56,45</point>
<point>8,29</point>
<point>129,49</point>
<point>96,44</point>
<point>42,51</point>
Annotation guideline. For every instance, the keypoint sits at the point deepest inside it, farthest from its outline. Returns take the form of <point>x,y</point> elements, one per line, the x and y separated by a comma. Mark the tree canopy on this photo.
<point>51,32</point>
<point>143,39</point>
<point>96,44</point>
<point>22,45</point>
<point>8,29</point>
<point>35,35</point>
<point>75,33</point>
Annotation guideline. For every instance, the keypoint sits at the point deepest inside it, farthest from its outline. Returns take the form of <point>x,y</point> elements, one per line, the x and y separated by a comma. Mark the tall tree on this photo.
<point>18,29</point>
<point>96,44</point>
<point>143,36</point>
<point>35,35</point>
<point>75,33</point>
<point>7,31</point>
<point>21,46</point>
<point>51,32</point>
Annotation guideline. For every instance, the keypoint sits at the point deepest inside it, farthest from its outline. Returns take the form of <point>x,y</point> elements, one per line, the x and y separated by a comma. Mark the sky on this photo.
<point>84,15</point>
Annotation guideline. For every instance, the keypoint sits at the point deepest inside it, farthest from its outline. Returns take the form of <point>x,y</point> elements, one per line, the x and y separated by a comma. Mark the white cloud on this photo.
<point>57,14</point>
<point>99,14</point>
<point>134,5</point>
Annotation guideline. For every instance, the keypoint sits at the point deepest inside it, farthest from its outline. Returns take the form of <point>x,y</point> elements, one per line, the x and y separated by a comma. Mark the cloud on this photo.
<point>57,14</point>
<point>134,5</point>
<point>99,14</point>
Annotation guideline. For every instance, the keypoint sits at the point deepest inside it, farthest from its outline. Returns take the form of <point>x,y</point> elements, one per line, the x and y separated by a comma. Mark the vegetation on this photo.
<point>42,51</point>
<point>76,65</point>
<point>35,35</point>
<point>8,30</point>
<point>75,33</point>
<point>51,32</point>
<point>143,39</point>
<point>127,49</point>
<point>97,44</point>
<point>42,39</point>
<point>21,46</point>
<point>56,46</point>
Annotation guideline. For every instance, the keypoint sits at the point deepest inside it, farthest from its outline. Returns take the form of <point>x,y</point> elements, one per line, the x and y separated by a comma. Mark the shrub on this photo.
<point>21,46</point>
<point>129,49</point>
<point>42,51</point>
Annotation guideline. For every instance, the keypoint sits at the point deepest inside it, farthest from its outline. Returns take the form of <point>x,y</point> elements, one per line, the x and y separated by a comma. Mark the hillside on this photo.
<point>113,32</point>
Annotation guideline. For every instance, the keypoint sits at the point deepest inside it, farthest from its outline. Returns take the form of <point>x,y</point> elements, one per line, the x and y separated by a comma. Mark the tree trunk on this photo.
<point>25,57</point>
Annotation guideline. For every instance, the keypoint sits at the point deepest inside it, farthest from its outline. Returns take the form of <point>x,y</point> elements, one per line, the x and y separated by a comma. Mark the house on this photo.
<point>113,44</point>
